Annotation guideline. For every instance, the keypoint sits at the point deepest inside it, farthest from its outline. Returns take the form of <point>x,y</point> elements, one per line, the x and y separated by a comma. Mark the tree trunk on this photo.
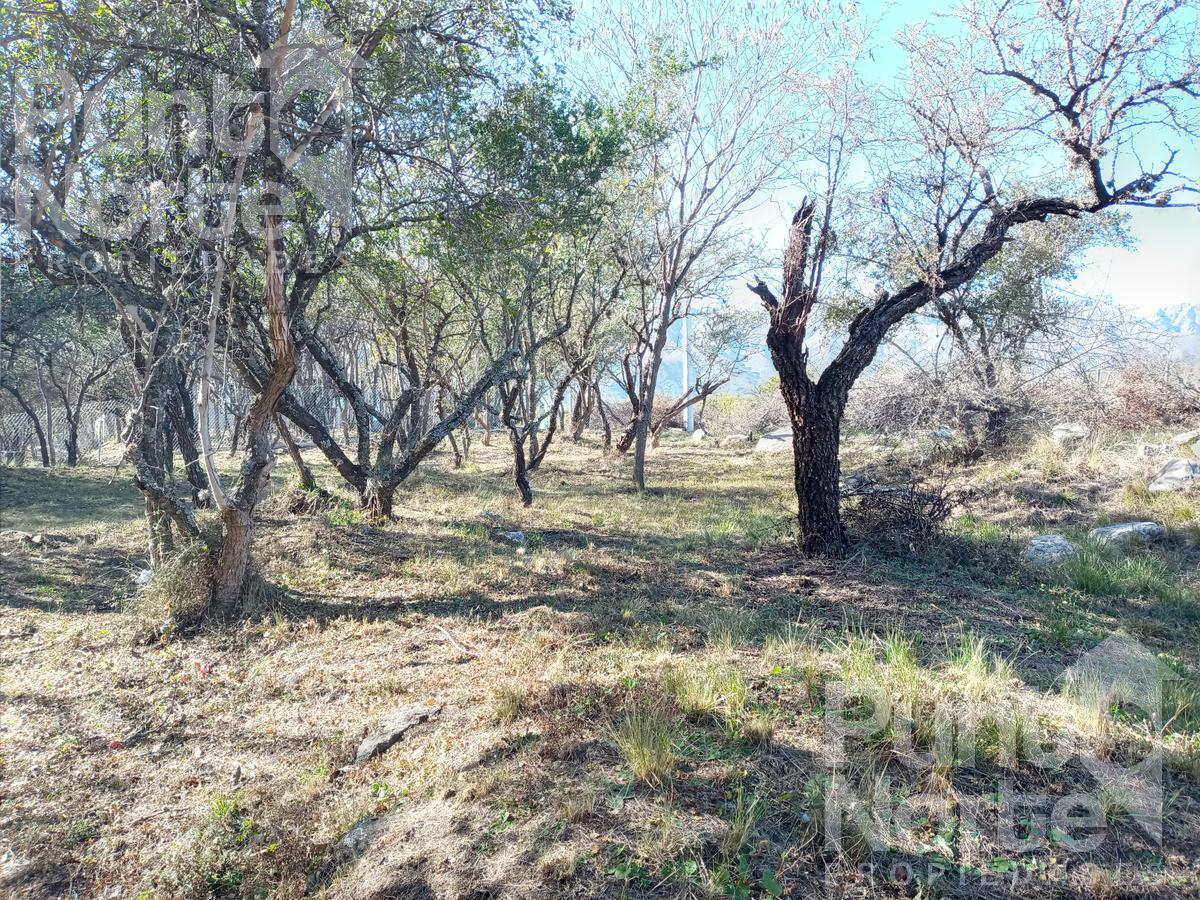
<point>625,441</point>
<point>237,433</point>
<point>581,412</point>
<point>645,420</point>
<point>376,500</point>
<point>816,435</point>
<point>232,563</point>
<point>72,440</point>
<point>303,472</point>
<point>521,472</point>
<point>36,422</point>
<point>53,455</point>
<point>604,420</point>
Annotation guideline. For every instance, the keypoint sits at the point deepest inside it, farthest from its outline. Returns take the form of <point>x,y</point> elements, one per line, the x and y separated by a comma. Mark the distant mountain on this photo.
<point>1182,319</point>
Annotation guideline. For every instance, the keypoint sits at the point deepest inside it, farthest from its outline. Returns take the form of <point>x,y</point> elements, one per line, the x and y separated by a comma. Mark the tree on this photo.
<point>416,322</point>
<point>113,187</point>
<point>716,80</point>
<point>1099,90</point>
<point>1015,323</point>
<point>522,257</point>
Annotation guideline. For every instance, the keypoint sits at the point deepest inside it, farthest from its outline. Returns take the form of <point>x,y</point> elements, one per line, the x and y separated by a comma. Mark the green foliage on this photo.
<point>1106,573</point>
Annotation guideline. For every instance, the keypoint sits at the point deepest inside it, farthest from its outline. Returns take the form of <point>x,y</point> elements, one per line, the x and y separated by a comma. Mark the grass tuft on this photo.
<point>646,739</point>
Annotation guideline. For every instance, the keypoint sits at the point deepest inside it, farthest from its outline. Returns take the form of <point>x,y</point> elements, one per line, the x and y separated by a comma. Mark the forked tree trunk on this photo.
<point>814,407</point>
<point>36,422</point>
<point>232,564</point>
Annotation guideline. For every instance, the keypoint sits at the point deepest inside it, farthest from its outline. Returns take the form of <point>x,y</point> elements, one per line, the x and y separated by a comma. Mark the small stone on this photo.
<point>1176,475</point>
<point>1128,534</point>
<point>392,729</point>
<point>358,838</point>
<point>515,537</point>
<point>1048,550</point>
<point>142,578</point>
<point>1069,432</point>
<point>942,435</point>
<point>699,435</point>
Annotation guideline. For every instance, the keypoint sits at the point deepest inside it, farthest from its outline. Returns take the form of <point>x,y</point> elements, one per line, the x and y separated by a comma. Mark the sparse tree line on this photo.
<point>401,207</point>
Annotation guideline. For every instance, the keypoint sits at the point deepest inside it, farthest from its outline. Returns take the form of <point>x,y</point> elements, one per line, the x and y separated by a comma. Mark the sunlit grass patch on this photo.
<point>1174,509</point>
<point>1105,573</point>
<point>645,738</point>
<point>708,691</point>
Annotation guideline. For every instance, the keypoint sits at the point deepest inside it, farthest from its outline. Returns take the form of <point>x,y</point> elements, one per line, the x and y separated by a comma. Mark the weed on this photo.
<point>742,819</point>
<point>579,806</point>
<point>508,705</point>
<point>559,863</point>
<point>978,673</point>
<point>646,739</point>
<point>176,596</point>
<point>1104,573</point>
<point>709,692</point>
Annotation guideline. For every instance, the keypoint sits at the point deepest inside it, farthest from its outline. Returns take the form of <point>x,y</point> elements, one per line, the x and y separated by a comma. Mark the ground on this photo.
<point>641,697</point>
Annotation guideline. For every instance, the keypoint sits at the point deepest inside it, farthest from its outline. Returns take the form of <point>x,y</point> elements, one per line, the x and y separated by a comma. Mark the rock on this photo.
<point>1048,550</point>
<point>856,483</point>
<point>1176,475</point>
<point>776,441</point>
<point>1069,432</point>
<point>1185,437</point>
<point>1128,534</point>
<point>514,537</point>
<point>142,578</point>
<point>942,435</point>
<point>1149,450</point>
<point>699,435</point>
<point>392,729</point>
<point>358,838</point>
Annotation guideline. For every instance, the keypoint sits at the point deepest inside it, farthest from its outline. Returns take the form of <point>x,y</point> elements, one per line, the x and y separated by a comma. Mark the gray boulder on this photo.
<point>392,729</point>
<point>1069,432</point>
<point>776,441</point>
<point>1176,475</point>
<point>1048,550</point>
<point>1128,534</point>
<point>1186,437</point>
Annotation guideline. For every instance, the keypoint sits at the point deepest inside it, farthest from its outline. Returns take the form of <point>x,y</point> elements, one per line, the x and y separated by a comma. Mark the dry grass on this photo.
<point>636,705</point>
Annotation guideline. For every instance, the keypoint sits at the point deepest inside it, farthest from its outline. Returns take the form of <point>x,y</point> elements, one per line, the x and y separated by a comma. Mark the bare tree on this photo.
<point>716,77</point>
<point>1099,90</point>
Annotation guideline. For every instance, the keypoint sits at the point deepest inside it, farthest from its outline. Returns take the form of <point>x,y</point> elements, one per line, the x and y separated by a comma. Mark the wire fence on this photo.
<point>101,422</point>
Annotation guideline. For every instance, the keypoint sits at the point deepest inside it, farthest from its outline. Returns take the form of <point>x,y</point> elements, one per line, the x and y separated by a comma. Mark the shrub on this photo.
<point>905,514</point>
<point>176,595</point>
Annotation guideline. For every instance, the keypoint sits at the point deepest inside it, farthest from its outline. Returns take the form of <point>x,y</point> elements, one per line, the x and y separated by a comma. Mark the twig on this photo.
<point>454,641</point>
